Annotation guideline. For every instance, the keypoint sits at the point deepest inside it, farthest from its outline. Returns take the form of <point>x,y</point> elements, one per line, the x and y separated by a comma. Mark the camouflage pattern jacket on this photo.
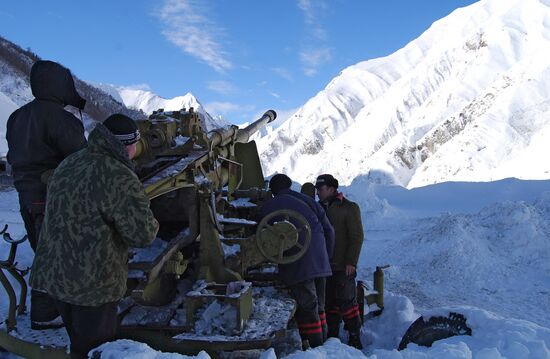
<point>96,209</point>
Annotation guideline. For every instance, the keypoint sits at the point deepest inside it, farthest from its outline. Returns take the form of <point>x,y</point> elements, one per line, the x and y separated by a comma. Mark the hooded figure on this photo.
<point>40,135</point>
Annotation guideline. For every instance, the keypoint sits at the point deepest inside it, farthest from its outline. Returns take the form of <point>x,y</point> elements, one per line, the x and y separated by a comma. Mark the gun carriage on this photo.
<point>208,282</point>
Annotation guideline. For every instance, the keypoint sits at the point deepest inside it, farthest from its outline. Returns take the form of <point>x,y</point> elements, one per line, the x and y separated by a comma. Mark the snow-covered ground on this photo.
<point>481,249</point>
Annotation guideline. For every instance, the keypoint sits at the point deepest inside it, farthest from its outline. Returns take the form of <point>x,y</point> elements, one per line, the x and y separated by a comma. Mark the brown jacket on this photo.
<point>345,217</point>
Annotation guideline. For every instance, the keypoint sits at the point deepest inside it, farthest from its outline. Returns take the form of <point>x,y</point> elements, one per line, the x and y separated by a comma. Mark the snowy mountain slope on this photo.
<point>467,100</point>
<point>147,101</point>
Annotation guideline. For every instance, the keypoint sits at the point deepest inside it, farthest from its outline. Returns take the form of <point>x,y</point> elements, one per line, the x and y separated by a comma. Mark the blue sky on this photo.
<point>239,58</point>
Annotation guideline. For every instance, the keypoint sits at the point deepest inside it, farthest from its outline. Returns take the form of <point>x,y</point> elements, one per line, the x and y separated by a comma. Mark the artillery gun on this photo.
<point>213,259</point>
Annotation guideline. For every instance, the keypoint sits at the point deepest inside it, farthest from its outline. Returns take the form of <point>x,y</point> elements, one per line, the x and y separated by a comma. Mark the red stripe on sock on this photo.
<point>309,325</point>
<point>356,307</point>
<point>352,315</point>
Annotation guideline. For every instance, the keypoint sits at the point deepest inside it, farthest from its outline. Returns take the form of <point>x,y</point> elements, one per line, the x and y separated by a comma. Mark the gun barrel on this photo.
<point>223,137</point>
<point>243,135</point>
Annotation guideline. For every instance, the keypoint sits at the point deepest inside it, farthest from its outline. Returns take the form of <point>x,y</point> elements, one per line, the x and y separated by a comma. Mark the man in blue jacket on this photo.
<point>306,276</point>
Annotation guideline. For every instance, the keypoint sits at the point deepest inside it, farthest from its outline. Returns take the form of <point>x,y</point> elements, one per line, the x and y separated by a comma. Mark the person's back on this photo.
<point>305,277</point>
<point>91,219</point>
<point>42,133</point>
<point>315,261</point>
<point>96,209</point>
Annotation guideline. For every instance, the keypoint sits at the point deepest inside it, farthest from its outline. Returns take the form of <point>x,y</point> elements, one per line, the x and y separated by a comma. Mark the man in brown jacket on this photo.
<point>341,302</point>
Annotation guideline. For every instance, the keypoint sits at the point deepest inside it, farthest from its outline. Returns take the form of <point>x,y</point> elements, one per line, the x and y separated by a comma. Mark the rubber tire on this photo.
<point>425,332</point>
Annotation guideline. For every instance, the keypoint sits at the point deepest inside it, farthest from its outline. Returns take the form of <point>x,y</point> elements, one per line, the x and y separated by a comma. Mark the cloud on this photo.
<point>142,87</point>
<point>275,94</point>
<point>186,26</point>
<point>284,73</point>
<point>224,108</point>
<point>313,58</point>
<point>221,87</point>
<point>311,12</point>
<point>317,53</point>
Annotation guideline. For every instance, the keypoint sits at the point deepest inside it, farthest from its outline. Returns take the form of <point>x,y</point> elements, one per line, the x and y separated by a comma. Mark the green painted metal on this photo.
<point>212,264</point>
<point>247,154</point>
<point>194,177</point>
<point>31,350</point>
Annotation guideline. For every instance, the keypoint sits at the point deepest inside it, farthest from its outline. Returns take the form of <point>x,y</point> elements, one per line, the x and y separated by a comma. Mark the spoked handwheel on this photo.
<point>279,232</point>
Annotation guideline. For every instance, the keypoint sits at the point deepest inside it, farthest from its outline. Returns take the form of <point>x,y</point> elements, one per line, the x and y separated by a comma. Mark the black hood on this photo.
<point>53,82</point>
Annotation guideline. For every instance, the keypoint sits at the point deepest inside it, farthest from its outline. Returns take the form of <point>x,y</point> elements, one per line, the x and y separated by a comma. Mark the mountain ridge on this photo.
<point>403,118</point>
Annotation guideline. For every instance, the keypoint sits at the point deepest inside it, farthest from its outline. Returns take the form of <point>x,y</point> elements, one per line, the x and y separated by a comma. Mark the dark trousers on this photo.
<point>320,287</point>
<point>32,207</point>
<point>87,326</point>
<point>341,303</point>
<point>307,313</point>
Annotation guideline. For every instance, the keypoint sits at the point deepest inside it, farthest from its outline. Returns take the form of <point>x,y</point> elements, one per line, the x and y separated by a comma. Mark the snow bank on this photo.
<point>496,258</point>
<point>7,106</point>
<point>130,349</point>
<point>493,337</point>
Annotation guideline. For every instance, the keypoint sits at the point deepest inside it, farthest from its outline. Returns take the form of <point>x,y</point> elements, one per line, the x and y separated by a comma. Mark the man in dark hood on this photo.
<point>40,135</point>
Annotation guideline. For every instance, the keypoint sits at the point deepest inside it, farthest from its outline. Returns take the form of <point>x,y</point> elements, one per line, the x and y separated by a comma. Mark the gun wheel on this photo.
<point>278,236</point>
<point>426,332</point>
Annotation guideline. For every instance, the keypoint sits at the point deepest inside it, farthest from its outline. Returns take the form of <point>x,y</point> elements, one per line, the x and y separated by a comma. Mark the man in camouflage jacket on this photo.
<point>341,301</point>
<point>96,209</point>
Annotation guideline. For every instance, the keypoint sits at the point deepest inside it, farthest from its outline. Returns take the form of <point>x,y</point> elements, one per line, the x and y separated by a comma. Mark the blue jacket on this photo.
<point>315,262</point>
<point>317,208</point>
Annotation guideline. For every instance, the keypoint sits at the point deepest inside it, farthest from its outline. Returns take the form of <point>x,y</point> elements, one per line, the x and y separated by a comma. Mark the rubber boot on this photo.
<point>44,314</point>
<point>355,340</point>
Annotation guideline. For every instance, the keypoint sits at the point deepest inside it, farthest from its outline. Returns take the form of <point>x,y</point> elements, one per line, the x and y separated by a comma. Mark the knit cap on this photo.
<point>123,128</point>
